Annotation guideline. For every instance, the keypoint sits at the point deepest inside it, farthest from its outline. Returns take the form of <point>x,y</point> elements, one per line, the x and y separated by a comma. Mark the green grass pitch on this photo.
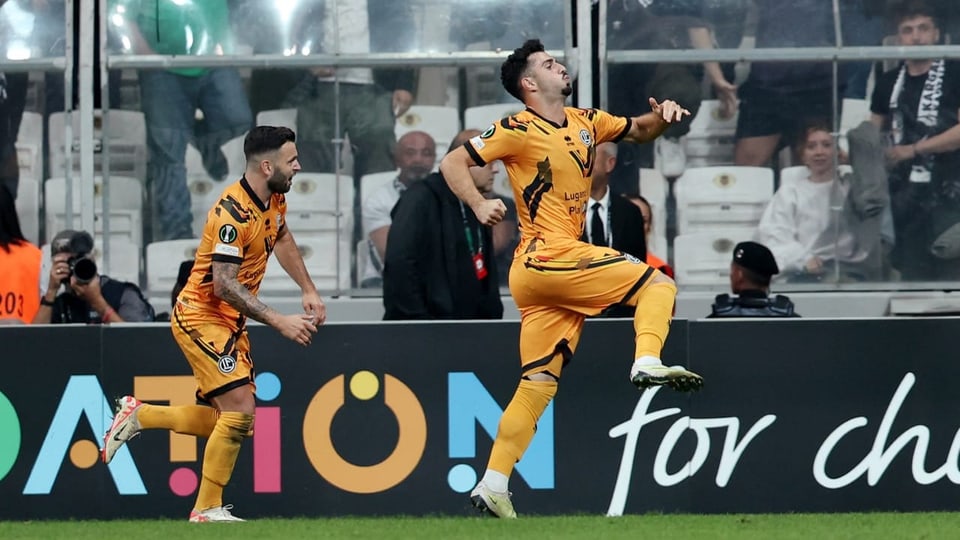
<point>661,527</point>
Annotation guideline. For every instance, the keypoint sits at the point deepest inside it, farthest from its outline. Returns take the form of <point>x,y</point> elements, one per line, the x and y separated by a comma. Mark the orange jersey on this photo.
<point>239,230</point>
<point>549,166</point>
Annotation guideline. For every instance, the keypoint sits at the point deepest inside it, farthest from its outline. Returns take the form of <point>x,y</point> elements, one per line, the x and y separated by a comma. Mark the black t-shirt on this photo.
<point>946,168</point>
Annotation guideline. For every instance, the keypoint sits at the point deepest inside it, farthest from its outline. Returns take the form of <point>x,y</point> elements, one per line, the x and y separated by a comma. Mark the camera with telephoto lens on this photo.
<point>81,267</point>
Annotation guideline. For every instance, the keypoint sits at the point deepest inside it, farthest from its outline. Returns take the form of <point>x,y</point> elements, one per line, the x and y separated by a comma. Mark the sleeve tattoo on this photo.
<point>229,289</point>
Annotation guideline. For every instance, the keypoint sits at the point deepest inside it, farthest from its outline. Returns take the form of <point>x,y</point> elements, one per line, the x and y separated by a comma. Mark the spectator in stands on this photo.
<point>808,224</point>
<point>89,297</point>
<point>779,98</point>
<point>611,220</point>
<point>862,25</point>
<point>647,210</point>
<point>170,98</point>
<point>644,24</point>
<point>751,270</point>
<point>369,100</point>
<point>439,262</point>
<point>917,103</point>
<point>415,156</point>
<point>21,262</point>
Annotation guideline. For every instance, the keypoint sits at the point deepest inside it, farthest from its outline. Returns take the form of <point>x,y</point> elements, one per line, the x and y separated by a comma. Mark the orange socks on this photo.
<point>651,320</point>
<point>519,423</point>
<point>220,456</point>
<point>187,419</point>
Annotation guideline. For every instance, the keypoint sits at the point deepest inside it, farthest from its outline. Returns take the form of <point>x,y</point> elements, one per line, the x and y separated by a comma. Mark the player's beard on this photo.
<point>567,90</point>
<point>279,182</point>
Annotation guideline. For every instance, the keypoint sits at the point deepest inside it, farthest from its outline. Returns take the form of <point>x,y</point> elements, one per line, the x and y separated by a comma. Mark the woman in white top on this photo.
<point>805,225</point>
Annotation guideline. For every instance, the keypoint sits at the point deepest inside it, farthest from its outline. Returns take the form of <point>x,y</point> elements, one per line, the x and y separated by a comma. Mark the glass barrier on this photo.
<point>179,131</point>
<point>363,132</point>
<point>842,168</point>
<point>33,39</point>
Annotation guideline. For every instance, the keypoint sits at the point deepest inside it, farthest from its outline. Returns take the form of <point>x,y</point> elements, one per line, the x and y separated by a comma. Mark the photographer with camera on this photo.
<point>89,298</point>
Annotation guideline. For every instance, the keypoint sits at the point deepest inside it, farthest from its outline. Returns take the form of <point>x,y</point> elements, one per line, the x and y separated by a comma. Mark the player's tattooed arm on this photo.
<point>228,288</point>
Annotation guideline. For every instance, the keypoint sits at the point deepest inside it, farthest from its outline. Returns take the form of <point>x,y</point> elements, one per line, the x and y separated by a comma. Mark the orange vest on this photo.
<point>20,282</point>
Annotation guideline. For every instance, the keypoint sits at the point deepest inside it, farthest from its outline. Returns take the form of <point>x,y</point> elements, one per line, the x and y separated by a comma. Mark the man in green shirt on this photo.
<point>170,98</point>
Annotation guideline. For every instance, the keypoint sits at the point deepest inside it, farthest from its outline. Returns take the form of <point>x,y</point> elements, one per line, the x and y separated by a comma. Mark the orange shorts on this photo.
<point>557,286</point>
<point>218,354</point>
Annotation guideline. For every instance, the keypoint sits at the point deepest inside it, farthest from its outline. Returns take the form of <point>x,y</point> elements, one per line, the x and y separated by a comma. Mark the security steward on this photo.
<point>750,272</point>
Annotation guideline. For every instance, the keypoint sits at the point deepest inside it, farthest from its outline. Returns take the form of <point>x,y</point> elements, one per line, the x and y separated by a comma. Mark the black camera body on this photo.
<point>81,266</point>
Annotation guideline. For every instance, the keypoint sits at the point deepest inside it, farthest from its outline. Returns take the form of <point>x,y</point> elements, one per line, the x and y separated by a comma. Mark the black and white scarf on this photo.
<point>927,113</point>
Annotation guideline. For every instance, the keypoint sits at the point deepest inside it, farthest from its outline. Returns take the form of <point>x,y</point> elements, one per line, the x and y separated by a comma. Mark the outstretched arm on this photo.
<point>649,126</point>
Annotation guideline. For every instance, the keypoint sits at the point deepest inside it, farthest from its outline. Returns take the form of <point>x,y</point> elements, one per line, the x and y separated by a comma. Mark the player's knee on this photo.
<point>543,376</point>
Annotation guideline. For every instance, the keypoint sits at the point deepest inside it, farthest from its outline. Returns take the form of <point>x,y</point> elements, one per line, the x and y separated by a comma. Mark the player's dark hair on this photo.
<point>10,232</point>
<point>909,9</point>
<point>513,68</point>
<point>263,139</point>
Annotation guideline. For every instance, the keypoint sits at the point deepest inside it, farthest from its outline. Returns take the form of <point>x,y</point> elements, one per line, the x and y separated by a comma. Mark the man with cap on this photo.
<point>752,268</point>
<point>89,298</point>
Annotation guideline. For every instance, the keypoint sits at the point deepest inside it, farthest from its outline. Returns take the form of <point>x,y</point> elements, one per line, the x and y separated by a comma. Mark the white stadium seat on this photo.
<point>726,197</point>
<point>314,204</point>
<point>482,116</point>
<point>703,258</point>
<point>126,205</point>
<point>30,146</point>
<point>442,123</point>
<point>236,160</point>
<point>654,187</point>
<point>163,263</point>
<point>711,137</point>
<point>126,137</point>
<point>321,255</point>
<point>278,117</point>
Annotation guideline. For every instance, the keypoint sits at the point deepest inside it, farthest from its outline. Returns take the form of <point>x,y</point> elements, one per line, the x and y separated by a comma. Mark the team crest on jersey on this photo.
<point>227,364</point>
<point>489,132</point>
<point>227,234</point>
<point>585,137</point>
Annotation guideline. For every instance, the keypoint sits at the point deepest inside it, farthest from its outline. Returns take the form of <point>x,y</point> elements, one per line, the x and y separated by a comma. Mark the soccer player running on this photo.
<point>208,322</point>
<point>549,152</point>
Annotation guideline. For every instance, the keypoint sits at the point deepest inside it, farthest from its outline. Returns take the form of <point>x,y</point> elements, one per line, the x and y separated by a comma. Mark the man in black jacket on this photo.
<point>752,268</point>
<point>612,220</point>
<point>440,261</point>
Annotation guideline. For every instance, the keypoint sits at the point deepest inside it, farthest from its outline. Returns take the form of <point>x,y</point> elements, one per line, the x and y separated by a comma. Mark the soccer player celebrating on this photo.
<point>557,280</point>
<point>208,321</point>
